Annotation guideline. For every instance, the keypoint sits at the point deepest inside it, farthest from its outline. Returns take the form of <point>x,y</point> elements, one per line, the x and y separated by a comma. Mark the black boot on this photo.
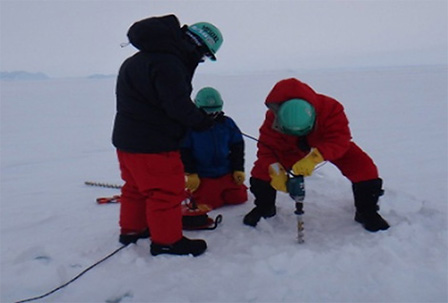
<point>264,202</point>
<point>366,195</point>
<point>184,246</point>
<point>127,239</point>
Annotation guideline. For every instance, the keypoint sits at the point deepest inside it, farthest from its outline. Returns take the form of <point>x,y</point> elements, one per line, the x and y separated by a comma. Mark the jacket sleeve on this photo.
<point>187,157</point>
<point>333,135</point>
<point>269,142</point>
<point>237,156</point>
<point>236,145</point>
<point>173,89</point>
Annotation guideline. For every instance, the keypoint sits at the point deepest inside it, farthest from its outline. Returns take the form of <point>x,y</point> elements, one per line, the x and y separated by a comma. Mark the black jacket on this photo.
<point>154,108</point>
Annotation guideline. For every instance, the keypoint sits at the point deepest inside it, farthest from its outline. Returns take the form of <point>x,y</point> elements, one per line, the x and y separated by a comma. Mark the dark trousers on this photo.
<point>263,192</point>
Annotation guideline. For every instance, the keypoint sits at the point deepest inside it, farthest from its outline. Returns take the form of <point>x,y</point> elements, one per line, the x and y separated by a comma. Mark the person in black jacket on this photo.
<point>154,112</point>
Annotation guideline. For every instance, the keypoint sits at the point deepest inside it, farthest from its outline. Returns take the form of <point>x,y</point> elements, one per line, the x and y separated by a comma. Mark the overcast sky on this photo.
<point>82,37</point>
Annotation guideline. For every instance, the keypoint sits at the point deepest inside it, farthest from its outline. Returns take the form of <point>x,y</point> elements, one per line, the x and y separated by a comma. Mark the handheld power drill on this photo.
<point>296,189</point>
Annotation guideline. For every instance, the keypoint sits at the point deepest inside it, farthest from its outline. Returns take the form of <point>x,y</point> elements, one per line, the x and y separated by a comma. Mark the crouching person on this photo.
<point>302,129</point>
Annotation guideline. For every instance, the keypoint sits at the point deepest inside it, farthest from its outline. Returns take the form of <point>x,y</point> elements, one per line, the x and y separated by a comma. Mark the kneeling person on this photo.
<point>214,158</point>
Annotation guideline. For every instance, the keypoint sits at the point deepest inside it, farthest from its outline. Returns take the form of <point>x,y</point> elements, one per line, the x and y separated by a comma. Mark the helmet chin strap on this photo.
<point>201,47</point>
<point>215,115</point>
<point>193,38</point>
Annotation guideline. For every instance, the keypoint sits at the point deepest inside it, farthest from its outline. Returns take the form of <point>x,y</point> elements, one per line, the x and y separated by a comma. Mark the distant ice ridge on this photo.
<point>22,75</point>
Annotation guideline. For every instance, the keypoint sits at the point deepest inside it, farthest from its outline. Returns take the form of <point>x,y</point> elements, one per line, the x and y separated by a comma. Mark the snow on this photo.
<point>55,134</point>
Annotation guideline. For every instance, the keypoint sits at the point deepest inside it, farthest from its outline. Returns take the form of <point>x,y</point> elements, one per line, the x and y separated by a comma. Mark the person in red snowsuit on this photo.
<point>281,148</point>
<point>154,112</point>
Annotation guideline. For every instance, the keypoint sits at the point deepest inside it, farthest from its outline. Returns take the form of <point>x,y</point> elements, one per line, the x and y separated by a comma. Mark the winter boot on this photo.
<point>128,238</point>
<point>366,195</point>
<point>184,246</point>
<point>256,213</point>
<point>264,202</point>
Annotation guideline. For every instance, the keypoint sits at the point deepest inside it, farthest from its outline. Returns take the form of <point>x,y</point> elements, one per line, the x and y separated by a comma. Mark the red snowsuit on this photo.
<point>330,135</point>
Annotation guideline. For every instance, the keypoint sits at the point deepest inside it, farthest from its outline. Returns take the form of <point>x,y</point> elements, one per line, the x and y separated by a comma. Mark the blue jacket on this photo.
<point>214,152</point>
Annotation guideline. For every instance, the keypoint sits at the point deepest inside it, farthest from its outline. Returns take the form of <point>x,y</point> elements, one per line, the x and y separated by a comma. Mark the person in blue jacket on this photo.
<point>214,158</point>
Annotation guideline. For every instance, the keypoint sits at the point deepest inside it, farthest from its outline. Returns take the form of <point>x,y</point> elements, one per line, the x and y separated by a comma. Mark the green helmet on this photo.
<point>296,117</point>
<point>209,99</point>
<point>209,35</point>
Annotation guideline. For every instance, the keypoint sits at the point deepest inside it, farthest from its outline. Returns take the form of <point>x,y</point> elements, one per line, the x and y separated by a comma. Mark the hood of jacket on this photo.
<point>163,35</point>
<point>288,89</point>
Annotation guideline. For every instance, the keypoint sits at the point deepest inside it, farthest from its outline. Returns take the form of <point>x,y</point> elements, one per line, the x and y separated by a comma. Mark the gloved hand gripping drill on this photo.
<point>293,182</point>
<point>294,185</point>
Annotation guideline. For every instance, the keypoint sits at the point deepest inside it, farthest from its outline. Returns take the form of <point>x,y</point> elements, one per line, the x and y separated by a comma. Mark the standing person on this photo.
<point>154,111</point>
<point>302,129</point>
<point>214,158</point>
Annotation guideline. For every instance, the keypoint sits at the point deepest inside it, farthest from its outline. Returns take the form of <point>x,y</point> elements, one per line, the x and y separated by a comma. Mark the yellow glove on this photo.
<point>306,165</point>
<point>192,182</point>
<point>239,177</point>
<point>278,177</point>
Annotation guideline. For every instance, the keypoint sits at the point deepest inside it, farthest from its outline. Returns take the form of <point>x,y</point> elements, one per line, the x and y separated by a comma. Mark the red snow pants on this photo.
<point>356,165</point>
<point>152,194</point>
<point>217,192</point>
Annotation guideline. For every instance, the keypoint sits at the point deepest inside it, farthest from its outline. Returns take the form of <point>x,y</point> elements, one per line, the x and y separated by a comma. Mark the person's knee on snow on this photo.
<point>235,196</point>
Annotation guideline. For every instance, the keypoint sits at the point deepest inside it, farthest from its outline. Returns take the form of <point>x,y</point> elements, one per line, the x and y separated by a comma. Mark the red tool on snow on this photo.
<point>195,216</point>
<point>105,200</point>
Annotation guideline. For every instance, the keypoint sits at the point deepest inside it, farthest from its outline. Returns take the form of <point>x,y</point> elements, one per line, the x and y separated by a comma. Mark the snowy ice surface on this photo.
<point>55,134</point>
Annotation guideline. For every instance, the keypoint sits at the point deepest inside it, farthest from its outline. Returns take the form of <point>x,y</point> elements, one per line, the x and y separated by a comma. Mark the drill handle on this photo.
<point>296,188</point>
